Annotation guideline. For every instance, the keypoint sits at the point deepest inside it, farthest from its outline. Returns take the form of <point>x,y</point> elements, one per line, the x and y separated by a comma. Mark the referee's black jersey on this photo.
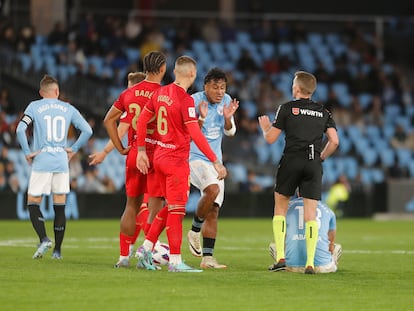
<point>304,123</point>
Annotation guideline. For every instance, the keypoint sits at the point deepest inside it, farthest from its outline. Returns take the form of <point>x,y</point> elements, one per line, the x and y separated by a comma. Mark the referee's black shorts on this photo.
<point>296,171</point>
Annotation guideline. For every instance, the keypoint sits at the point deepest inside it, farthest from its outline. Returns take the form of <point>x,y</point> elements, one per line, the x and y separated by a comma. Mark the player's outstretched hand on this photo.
<point>264,123</point>
<point>97,157</point>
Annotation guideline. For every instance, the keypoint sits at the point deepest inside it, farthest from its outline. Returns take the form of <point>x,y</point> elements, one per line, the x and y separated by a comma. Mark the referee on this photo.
<point>304,122</point>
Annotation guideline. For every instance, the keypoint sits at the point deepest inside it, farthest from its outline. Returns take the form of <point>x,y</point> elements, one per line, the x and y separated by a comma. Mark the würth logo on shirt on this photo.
<point>307,112</point>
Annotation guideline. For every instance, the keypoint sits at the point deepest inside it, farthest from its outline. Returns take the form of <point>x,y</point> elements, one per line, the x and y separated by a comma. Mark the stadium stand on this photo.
<point>365,148</point>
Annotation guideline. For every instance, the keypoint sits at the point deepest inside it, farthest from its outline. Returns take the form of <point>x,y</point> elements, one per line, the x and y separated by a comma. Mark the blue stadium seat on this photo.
<point>351,167</point>
<point>262,151</point>
<point>333,38</point>
<point>276,150</point>
<point>365,100</point>
<point>321,93</point>
<point>267,49</point>
<point>238,172</point>
<point>342,92</point>
<point>285,49</point>
<point>233,50</point>
<point>192,202</point>
<point>250,108</point>
<point>25,61</point>
<point>315,39</point>
<point>217,51</point>
<point>387,157</point>
<point>264,181</point>
<point>404,156</point>
<point>377,175</point>
<point>243,38</point>
<point>369,156</point>
<point>132,54</point>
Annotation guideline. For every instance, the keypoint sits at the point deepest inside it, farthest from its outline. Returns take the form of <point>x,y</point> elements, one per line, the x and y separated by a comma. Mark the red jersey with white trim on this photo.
<point>131,102</point>
<point>174,108</point>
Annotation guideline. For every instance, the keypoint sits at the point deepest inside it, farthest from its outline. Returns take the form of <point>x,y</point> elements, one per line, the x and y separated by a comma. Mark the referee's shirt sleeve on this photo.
<point>279,121</point>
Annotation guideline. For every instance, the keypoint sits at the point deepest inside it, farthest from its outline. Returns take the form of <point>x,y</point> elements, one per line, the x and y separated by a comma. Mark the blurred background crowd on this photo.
<point>364,79</point>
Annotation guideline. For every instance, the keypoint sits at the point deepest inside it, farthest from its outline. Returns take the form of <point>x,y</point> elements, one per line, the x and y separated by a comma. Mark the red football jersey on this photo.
<point>131,101</point>
<point>173,108</point>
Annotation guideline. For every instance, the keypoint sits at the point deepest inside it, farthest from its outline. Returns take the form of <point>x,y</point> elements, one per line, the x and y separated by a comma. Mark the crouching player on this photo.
<point>327,252</point>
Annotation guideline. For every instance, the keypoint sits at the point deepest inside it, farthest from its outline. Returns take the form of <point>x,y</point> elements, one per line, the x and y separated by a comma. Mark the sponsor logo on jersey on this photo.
<point>307,112</point>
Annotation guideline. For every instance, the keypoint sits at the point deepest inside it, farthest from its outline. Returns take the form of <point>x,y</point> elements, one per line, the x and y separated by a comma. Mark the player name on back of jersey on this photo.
<point>53,149</point>
<point>52,106</point>
<point>143,93</point>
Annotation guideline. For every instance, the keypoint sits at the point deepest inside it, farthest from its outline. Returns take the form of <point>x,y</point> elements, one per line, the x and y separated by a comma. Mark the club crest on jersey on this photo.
<point>295,111</point>
<point>191,112</point>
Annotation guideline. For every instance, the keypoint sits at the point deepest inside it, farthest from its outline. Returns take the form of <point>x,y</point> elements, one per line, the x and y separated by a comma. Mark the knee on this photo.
<point>212,191</point>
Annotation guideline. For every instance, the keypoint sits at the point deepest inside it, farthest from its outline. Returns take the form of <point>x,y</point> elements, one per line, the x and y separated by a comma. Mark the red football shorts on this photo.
<point>135,182</point>
<point>174,179</point>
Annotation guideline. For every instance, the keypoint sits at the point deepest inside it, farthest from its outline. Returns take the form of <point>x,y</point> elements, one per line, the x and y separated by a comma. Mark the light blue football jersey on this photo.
<point>51,120</point>
<point>295,247</point>
<point>213,126</point>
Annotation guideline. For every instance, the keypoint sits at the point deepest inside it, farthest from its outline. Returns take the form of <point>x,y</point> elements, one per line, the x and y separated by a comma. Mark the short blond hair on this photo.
<point>136,77</point>
<point>306,82</point>
<point>48,82</point>
<point>184,64</point>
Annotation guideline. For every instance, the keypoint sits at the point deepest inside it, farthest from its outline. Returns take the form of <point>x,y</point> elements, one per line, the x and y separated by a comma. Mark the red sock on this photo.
<point>174,228</point>
<point>157,225</point>
<point>124,242</point>
<point>140,221</point>
<point>146,228</point>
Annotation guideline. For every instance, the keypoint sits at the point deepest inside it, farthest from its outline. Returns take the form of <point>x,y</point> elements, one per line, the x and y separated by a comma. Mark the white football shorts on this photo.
<point>203,174</point>
<point>46,183</point>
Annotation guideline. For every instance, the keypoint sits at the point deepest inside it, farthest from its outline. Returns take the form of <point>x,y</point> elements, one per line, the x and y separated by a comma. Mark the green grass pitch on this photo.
<point>376,271</point>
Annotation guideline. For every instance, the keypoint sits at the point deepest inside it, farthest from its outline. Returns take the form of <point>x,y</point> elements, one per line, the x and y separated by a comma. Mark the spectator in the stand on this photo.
<point>375,114</point>
<point>271,65</point>
<point>342,73</point>
<point>72,55</point>
<point>228,31</point>
<point>332,103</point>
<point>250,185</point>
<point>322,73</point>
<point>25,39</point>
<point>6,102</point>
<point>210,31</point>
<point>246,62</point>
<point>402,139</point>
<point>397,171</point>
<point>92,183</point>
<point>4,185</point>
<point>357,112</point>
<point>59,34</point>
<point>133,29</point>
<point>338,195</point>
<point>75,165</point>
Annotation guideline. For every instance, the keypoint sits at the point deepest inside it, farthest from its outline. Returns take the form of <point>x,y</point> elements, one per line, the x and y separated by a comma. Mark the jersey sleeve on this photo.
<point>330,122</point>
<point>279,121</point>
<point>119,102</point>
<point>81,124</point>
<point>188,110</point>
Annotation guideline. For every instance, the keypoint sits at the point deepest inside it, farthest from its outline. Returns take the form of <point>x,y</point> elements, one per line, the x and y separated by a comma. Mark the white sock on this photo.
<point>148,245</point>
<point>175,259</point>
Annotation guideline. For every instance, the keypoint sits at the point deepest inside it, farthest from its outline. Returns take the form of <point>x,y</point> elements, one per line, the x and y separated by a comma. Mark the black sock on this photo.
<point>197,224</point>
<point>38,222</point>
<point>59,225</point>
<point>208,246</point>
